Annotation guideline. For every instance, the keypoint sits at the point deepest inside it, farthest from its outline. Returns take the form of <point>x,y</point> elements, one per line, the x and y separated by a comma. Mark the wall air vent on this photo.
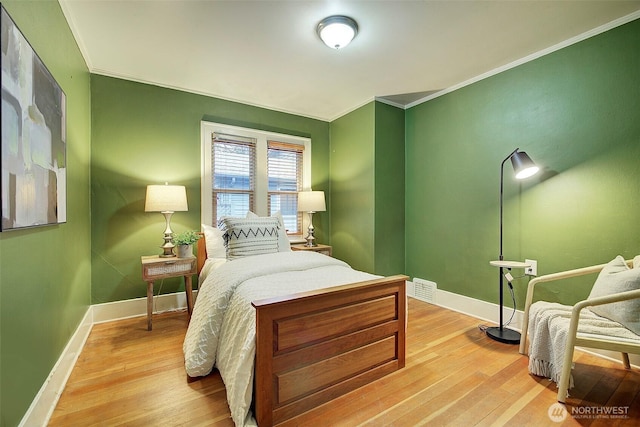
<point>425,290</point>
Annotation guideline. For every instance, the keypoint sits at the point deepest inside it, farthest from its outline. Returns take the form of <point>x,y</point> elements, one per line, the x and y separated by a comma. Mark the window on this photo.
<point>234,164</point>
<point>246,169</point>
<point>284,168</point>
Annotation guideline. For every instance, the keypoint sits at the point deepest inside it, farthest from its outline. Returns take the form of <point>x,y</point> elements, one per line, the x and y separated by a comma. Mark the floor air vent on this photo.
<point>425,290</point>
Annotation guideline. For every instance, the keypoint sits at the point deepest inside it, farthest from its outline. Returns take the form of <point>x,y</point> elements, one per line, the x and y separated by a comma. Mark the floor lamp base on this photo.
<point>504,335</point>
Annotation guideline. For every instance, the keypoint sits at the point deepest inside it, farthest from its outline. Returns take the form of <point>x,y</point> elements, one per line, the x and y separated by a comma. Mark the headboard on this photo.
<point>201,252</point>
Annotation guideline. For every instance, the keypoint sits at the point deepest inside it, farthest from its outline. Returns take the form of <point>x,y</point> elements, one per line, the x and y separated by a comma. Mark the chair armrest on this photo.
<point>606,299</point>
<point>550,278</point>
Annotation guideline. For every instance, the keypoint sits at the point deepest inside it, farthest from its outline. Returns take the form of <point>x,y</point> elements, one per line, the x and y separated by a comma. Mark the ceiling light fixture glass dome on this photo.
<point>337,31</point>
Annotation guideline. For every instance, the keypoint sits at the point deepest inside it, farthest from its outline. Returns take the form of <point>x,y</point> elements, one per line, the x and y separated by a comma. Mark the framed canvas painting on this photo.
<point>34,163</point>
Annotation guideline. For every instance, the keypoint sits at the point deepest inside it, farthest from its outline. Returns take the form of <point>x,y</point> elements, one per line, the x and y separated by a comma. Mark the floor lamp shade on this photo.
<point>166,199</point>
<point>523,167</point>
<point>311,202</point>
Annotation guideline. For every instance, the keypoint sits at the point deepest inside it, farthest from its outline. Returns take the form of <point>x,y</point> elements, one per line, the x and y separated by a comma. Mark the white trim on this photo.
<point>45,401</point>
<point>391,103</point>
<point>47,398</point>
<point>92,69</point>
<point>588,34</point>
<point>489,312</point>
<point>262,137</point>
<point>352,109</point>
<point>117,310</point>
<point>71,22</point>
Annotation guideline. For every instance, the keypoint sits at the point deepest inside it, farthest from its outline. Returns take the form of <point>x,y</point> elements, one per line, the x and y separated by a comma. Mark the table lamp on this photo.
<point>311,202</point>
<point>166,199</point>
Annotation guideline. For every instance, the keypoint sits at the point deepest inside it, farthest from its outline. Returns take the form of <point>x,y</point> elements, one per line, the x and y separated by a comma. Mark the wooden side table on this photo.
<point>323,249</point>
<point>155,268</point>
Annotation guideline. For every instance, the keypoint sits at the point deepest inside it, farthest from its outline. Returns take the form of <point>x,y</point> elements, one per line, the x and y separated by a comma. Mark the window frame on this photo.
<point>261,190</point>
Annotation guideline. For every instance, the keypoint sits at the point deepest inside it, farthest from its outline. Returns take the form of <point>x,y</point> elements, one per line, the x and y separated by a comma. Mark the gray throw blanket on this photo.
<point>548,326</point>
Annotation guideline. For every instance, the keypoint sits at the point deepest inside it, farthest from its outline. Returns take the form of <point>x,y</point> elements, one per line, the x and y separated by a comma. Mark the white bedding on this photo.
<point>222,328</point>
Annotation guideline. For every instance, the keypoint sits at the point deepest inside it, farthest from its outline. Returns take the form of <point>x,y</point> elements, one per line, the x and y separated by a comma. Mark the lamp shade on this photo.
<point>337,31</point>
<point>523,166</point>
<point>311,201</point>
<point>166,198</point>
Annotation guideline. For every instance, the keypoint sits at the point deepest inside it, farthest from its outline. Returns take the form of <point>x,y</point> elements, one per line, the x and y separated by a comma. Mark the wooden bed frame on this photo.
<point>312,347</point>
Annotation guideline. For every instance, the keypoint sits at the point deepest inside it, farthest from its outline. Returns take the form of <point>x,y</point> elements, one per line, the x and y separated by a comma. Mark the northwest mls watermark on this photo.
<point>558,412</point>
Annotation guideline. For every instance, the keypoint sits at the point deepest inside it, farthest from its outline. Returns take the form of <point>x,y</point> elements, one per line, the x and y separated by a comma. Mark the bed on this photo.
<point>291,330</point>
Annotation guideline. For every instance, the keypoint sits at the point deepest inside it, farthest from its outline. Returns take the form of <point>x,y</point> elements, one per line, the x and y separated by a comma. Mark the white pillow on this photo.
<point>636,262</point>
<point>250,236</point>
<point>614,278</point>
<point>283,240</point>
<point>214,241</point>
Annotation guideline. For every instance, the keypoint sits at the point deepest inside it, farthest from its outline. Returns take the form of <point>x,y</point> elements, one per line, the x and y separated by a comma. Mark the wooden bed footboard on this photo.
<point>315,346</point>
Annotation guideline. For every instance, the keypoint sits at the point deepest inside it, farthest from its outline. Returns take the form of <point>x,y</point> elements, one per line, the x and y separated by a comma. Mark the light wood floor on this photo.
<point>454,375</point>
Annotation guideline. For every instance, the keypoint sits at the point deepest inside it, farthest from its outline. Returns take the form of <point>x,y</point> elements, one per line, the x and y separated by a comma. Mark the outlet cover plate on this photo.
<point>532,270</point>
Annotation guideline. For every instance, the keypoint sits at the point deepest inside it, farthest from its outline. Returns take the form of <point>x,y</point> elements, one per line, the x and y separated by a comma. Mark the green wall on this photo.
<point>45,272</point>
<point>389,190</point>
<point>352,178</point>
<point>143,134</point>
<point>367,188</point>
<point>575,112</point>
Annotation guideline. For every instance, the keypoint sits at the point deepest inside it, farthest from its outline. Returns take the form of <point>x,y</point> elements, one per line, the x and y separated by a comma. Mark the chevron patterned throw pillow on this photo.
<point>249,236</point>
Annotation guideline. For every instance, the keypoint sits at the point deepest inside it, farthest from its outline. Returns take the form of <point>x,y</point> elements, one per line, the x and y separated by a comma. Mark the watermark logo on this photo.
<point>602,412</point>
<point>557,412</point>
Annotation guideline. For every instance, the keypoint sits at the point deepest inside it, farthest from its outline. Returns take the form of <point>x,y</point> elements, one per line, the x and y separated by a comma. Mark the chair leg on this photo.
<point>563,385</point>
<point>565,376</point>
<point>522,349</point>
<point>625,360</point>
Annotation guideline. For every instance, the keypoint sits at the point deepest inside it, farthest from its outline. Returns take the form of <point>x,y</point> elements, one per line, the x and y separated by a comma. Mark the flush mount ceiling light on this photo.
<point>337,31</point>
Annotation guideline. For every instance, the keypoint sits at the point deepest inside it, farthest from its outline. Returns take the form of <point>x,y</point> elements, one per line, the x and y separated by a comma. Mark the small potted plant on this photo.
<point>184,241</point>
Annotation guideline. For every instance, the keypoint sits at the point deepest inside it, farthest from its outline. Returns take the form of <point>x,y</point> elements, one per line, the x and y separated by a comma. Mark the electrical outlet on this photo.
<point>532,270</point>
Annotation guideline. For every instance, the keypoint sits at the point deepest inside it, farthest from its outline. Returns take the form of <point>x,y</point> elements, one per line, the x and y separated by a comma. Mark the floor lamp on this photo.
<point>523,167</point>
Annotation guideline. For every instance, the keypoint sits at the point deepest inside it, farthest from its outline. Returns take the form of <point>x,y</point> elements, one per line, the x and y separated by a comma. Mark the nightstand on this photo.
<point>155,268</point>
<point>323,249</point>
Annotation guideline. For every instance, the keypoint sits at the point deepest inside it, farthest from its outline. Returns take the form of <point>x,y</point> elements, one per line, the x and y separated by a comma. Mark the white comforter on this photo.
<point>222,327</point>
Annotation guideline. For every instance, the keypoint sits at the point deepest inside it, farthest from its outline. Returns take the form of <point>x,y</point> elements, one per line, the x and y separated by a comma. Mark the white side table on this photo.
<point>500,333</point>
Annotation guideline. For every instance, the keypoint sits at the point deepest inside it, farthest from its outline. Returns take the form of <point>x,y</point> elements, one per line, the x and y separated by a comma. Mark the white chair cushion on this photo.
<point>614,278</point>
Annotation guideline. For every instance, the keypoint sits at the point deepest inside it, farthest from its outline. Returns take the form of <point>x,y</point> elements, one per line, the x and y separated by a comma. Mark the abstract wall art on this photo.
<point>33,175</point>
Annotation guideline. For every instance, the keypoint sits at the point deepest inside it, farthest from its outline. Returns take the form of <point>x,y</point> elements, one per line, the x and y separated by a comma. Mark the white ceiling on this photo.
<point>266,53</point>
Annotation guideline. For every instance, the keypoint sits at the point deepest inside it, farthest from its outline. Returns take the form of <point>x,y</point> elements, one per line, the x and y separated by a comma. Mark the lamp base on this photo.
<point>168,251</point>
<point>310,237</point>
<point>504,335</point>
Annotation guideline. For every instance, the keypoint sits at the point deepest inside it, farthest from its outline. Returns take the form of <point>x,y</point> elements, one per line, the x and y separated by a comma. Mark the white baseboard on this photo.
<point>45,401</point>
<point>117,310</point>
<point>47,398</point>
<point>490,312</point>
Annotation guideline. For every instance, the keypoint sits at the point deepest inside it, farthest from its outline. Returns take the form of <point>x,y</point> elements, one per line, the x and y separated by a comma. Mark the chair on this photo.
<point>574,336</point>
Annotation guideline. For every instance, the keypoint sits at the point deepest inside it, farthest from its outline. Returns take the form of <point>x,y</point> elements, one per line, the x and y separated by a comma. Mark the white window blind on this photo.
<point>234,166</point>
<point>284,169</point>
